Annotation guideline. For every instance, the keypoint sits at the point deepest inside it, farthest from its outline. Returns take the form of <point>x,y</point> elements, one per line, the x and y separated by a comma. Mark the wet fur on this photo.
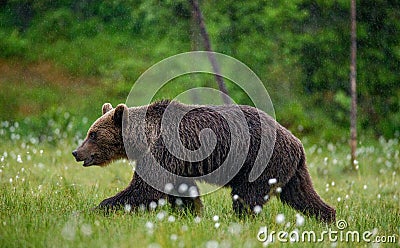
<point>287,163</point>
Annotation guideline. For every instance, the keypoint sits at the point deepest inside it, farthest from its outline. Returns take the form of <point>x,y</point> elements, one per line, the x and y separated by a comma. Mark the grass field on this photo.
<point>46,199</point>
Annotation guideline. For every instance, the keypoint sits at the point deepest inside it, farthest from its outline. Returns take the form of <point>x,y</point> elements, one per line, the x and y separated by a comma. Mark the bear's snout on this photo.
<point>76,156</point>
<point>88,160</point>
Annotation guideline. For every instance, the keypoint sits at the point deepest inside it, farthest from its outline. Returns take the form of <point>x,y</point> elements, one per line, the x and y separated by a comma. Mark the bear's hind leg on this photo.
<point>185,196</point>
<point>299,193</point>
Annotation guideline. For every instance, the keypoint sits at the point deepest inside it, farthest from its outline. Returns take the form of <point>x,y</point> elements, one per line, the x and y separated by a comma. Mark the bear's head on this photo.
<point>104,142</point>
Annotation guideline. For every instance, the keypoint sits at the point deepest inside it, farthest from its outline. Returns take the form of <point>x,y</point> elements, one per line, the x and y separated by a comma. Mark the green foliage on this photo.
<point>12,45</point>
<point>299,49</point>
<point>325,60</point>
<point>57,25</point>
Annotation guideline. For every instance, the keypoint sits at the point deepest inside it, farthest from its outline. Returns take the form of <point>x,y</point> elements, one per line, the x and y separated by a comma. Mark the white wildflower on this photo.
<point>257,209</point>
<point>215,218</point>
<point>280,218</point>
<point>272,181</point>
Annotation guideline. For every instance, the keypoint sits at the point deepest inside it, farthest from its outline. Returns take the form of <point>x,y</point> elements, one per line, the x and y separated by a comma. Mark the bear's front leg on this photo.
<point>248,198</point>
<point>138,193</point>
<point>118,201</point>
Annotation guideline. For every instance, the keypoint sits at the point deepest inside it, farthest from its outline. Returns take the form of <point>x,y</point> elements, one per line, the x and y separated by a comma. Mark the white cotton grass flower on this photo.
<point>193,192</point>
<point>86,229</point>
<point>272,181</point>
<point>278,190</point>
<point>40,165</point>
<point>197,219</point>
<point>217,225</point>
<point>212,244</point>
<point>171,218</point>
<point>161,215</point>
<point>162,202</point>
<point>235,228</point>
<point>19,159</point>
<point>69,231</point>
<point>235,197</point>
<point>178,201</point>
<point>149,225</point>
<point>173,237</point>
<point>257,209</point>
<point>215,218</point>
<point>153,205</point>
<point>184,228</point>
<point>183,188</point>
<point>280,218</point>
<point>266,197</point>
<point>299,220</point>
<point>154,245</point>
<point>168,187</point>
<point>128,208</point>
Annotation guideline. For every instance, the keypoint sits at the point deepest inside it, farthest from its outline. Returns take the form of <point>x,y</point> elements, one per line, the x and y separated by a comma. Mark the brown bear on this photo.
<point>139,133</point>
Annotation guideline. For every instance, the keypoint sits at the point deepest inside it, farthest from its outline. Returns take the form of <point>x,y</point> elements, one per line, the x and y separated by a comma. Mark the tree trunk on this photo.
<point>207,44</point>
<point>353,74</point>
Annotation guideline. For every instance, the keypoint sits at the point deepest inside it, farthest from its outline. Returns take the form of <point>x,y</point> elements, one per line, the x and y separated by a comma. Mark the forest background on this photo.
<point>72,56</point>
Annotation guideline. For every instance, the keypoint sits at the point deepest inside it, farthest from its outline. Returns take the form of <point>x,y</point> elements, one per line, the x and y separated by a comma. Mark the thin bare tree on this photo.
<point>353,89</point>
<point>198,16</point>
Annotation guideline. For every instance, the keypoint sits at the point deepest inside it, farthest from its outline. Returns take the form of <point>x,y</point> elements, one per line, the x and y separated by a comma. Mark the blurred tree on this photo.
<point>353,71</point>
<point>198,16</point>
<point>299,48</point>
<point>324,60</point>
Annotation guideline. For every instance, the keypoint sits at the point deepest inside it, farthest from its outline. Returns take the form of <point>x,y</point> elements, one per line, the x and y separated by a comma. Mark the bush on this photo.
<point>54,26</point>
<point>12,45</point>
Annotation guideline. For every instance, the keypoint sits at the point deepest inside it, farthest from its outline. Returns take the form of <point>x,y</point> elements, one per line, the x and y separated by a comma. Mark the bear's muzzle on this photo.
<point>86,161</point>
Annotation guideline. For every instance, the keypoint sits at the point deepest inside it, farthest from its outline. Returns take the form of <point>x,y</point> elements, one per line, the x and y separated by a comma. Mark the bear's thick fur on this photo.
<point>286,168</point>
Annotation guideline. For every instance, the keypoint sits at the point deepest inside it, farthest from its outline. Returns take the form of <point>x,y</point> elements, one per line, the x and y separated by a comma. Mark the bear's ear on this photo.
<point>106,107</point>
<point>118,114</point>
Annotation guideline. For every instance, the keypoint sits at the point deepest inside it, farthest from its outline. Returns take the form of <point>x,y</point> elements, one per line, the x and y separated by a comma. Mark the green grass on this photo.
<point>46,198</point>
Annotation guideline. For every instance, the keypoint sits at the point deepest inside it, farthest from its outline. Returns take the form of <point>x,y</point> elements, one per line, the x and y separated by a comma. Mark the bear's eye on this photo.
<point>92,135</point>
